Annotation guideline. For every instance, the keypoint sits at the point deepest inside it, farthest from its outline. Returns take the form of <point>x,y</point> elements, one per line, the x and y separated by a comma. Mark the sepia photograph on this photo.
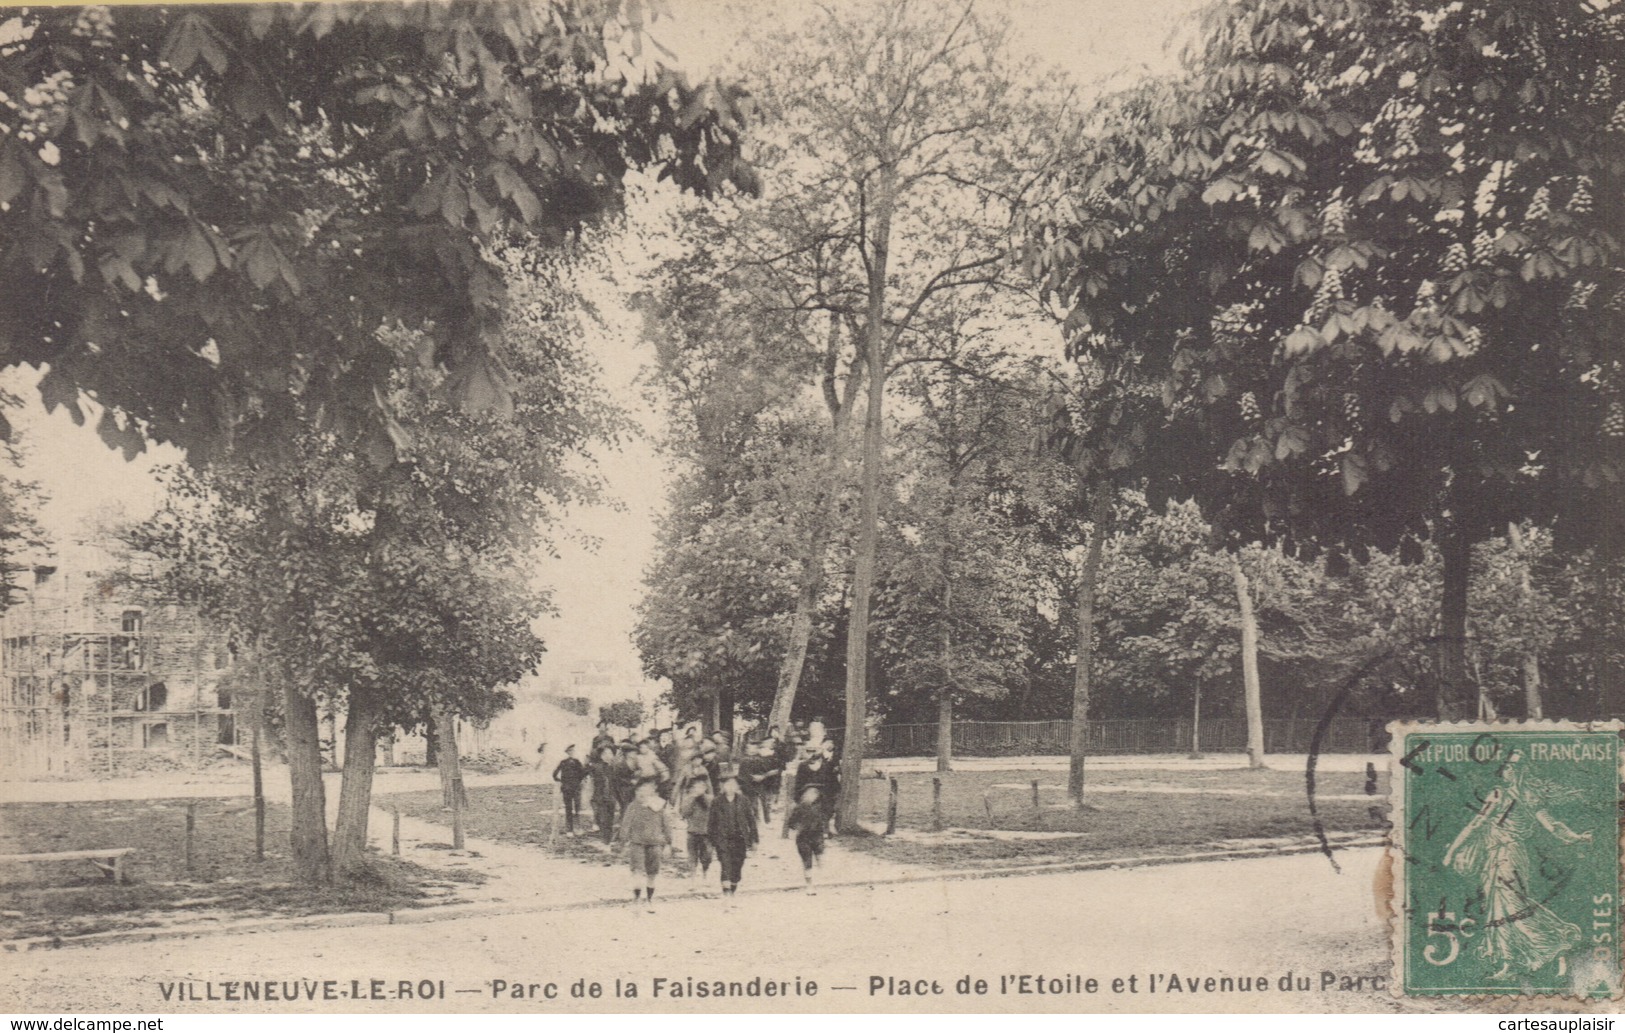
<point>721,507</point>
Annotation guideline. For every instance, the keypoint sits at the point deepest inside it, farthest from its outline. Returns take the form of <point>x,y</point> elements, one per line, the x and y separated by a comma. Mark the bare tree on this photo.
<point>905,132</point>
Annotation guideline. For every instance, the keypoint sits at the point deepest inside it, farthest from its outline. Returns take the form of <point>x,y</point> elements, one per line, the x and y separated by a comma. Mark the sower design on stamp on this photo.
<point>1508,859</point>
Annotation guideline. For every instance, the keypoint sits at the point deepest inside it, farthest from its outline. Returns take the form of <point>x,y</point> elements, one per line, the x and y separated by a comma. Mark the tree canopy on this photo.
<point>1358,247</point>
<point>209,211</point>
<point>1364,243</point>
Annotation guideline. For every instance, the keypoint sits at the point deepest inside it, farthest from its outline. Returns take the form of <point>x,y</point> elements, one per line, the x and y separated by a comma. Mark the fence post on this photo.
<point>191,827</point>
<point>259,827</point>
<point>891,808</point>
<point>457,800</point>
<point>395,833</point>
<point>936,804</point>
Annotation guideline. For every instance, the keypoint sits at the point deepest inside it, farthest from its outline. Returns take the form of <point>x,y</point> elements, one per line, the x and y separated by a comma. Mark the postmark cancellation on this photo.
<point>1505,851</point>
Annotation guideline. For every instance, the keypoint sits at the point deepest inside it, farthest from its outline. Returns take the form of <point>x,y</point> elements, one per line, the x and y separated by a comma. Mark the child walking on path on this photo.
<point>697,816</point>
<point>808,820</point>
<point>646,826</point>
<point>732,828</point>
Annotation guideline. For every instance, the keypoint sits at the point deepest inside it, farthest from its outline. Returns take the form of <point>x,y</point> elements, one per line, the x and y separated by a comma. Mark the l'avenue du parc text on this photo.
<point>1022,984</point>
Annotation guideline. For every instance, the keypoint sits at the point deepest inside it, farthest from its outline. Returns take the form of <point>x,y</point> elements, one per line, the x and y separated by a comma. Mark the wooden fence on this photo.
<point>1127,735</point>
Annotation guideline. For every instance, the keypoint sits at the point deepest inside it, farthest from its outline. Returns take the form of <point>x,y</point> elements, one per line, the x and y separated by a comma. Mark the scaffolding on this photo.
<point>91,684</point>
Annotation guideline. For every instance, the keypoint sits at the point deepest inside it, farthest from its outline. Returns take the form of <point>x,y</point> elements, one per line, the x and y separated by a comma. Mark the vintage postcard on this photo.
<point>530,507</point>
<point>1506,857</point>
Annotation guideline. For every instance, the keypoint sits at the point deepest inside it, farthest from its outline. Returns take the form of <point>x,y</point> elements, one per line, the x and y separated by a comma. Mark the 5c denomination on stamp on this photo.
<point>1506,850</point>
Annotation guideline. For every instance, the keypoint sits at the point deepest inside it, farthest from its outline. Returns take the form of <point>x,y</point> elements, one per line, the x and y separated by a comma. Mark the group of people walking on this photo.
<point>641,791</point>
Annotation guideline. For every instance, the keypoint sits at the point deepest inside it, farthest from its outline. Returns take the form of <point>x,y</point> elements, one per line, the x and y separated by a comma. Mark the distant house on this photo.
<point>557,705</point>
<point>96,681</point>
<point>556,709</point>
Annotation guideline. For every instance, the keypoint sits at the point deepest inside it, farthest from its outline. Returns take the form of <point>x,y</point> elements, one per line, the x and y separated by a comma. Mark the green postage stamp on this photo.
<point>1506,858</point>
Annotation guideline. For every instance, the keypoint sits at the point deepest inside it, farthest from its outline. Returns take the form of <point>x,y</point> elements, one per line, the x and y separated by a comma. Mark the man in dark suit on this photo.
<point>569,775</point>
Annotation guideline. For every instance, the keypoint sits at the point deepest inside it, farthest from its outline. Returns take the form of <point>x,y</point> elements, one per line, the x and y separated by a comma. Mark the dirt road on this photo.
<point>1252,921</point>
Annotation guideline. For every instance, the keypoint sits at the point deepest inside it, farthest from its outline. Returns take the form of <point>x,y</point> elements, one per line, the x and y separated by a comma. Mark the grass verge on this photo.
<point>71,898</point>
<point>988,817</point>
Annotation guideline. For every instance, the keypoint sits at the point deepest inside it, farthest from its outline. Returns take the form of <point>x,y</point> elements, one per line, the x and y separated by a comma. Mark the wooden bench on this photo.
<point>111,861</point>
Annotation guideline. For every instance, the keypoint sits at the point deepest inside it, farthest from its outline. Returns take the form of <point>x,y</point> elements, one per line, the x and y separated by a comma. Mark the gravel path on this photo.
<point>1252,918</point>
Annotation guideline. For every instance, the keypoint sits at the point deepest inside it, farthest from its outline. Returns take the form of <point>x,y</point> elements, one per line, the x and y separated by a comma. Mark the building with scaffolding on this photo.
<point>96,681</point>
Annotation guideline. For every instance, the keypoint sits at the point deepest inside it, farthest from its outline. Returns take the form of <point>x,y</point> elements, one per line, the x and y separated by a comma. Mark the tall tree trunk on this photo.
<point>1249,665</point>
<point>1486,706</point>
<point>361,728</point>
<point>256,716</point>
<point>1196,722</point>
<point>811,586</point>
<point>1083,673</point>
<point>1531,659</point>
<point>795,657</point>
<point>451,761</point>
<point>725,713</point>
<point>308,833</point>
<point>1457,698</point>
<point>945,699</point>
<point>1531,686</point>
<point>863,567</point>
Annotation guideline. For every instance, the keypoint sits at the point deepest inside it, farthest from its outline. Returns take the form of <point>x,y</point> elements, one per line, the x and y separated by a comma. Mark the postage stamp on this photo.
<point>1506,851</point>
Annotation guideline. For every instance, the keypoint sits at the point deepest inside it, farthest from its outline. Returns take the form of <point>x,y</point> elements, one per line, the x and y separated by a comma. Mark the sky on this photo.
<point>596,590</point>
<point>1088,38</point>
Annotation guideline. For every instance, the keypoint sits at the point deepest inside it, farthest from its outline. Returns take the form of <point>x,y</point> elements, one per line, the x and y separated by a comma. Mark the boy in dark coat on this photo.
<point>732,830</point>
<point>754,771</point>
<point>718,757</point>
<point>784,748</point>
<point>666,750</point>
<point>625,782</point>
<point>819,771</point>
<point>774,777</point>
<point>808,821</point>
<point>569,775</point>
<point>601,768</point>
